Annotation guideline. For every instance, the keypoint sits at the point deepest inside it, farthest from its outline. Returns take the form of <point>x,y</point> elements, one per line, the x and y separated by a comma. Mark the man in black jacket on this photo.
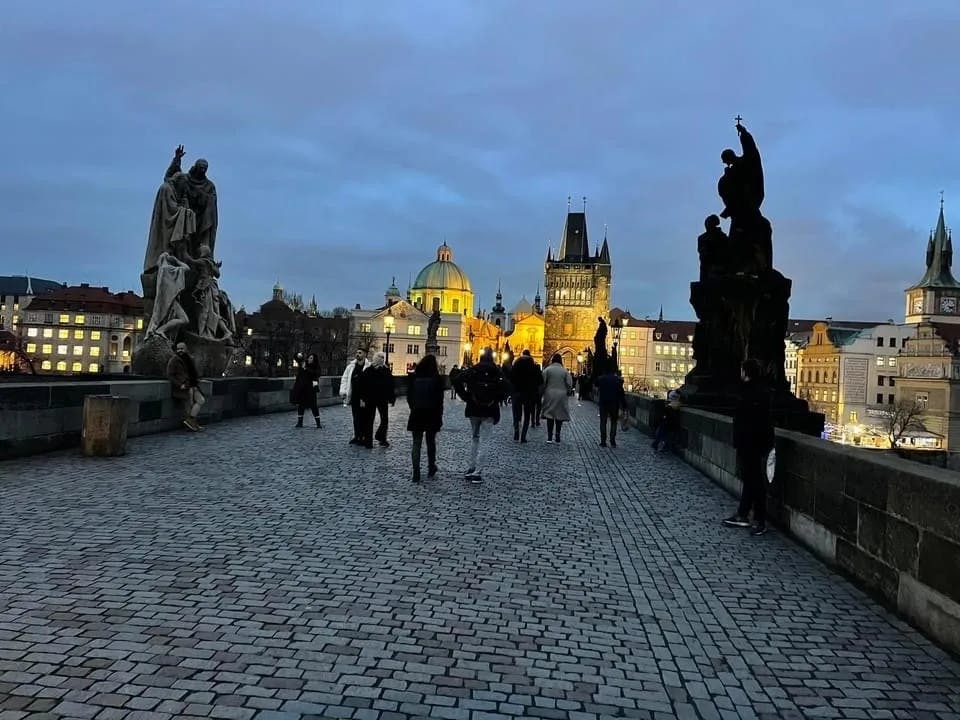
<point>525,387</point>
<point>611,399</point>
<point>481,387</point>
<point>753,438</point>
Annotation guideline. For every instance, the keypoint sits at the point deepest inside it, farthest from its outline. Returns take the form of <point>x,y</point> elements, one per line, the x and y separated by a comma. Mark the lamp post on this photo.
<point>580,364</point>
<point>617,331</point>
<point>389,324</point>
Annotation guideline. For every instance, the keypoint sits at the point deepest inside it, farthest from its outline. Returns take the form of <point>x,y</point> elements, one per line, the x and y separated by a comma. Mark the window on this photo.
<point>46,365</point>
<point>48,318</point>
<point>879,342</point>
<point>891,362</point>
<point>77,367</point>
<point>93,367</point>
<point>903,343</point>
<point>79,319</point>
<point>390,346</point>
<point>64,319</point>
<point>94,352</point>
<point>139,323</point>
<point>33,332</point>
<point>94,334</point>
<point>879,361</point>
<point>879,398</point>
<point>96,320</point>
<point>114,348</point>
<point>78,349</point>
<point>48,332</point>
<point>880,380</point>
<point>658,350</point>
<point>443,351</point>
<point>61,365</point>
<point>673,349</point>
<point>922,399</point>
<point>46,349</point>
<point>673,367</point>
<point>31,347</point>
<point>436,303</point>
<point>364,328</point>
<point>61,350</point>
<point>78,334</point>
<point>816,394</point>
<point>853,416</point>
<point>893,342</point>
<point>413,349</point>
<point>127,348</point>
<point>63,333</point>
<point>443,332</point>
<point>657,367</point>
<point>456,305</point>
<point>413,329</point>
<point>890,399</point>
<point>833,396</point>
<point>892,381</point>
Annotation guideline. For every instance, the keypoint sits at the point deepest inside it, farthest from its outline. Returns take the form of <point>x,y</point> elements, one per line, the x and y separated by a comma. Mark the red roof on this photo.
<point>83,298</point>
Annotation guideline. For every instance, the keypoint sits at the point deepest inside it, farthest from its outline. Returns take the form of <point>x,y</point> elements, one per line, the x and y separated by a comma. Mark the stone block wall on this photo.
<point>891,524</point>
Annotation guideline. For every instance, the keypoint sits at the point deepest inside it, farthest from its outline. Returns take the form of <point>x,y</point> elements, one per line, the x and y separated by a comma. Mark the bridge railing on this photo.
<point>890,524</point>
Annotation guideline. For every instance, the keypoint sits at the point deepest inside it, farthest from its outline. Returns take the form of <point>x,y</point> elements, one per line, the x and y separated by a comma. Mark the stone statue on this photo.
<point>433,325</point>
<point>741,185</point>
<point>714,249</point>
<point>173,221</point>
<point>211,301</point>
<point>202,196</point>
<point>168,315</point>
<point>599,359</point>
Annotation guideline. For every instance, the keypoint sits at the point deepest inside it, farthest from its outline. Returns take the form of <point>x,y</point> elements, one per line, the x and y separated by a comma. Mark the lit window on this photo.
<point>47,349</point>
<point>922,399</point>
<point>879,361</point>
<point>94,334</point>
<point>94,352</point>
<point>853,416</point>
<point>78,349</point>
<point>673,349</point>
<point>33,332</point>
<point>16,319</point>
<point>673,367</point>
<point>93,367</point>
<point>443,332</point>
<point>31,347</point>
<point>78,334</point>
<point>366,327</point>
<point>77,367</point>
<point>62,365</point>
<point>249,361</point>
<point>48,332</point>
<point>64,319</point>
<point>61,349</point>
<point>63,334</point>
<point>139,323</point>
<point>891,362</point>
<point>46,365</point>
<point>79,319</point>
<point>413,329</point>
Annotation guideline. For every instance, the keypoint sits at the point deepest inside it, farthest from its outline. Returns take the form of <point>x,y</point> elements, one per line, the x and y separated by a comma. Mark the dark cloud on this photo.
<point>348,140</point>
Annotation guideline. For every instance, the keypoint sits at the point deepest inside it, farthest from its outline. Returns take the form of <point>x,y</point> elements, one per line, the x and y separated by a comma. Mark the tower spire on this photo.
<point>660,319</point>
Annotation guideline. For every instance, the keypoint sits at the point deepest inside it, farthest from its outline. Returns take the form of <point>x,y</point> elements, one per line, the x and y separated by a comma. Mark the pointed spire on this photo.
<point>605,248</point>
<point>549,253</point>
<point>29,285</point>
<point>939,257</point>
<point>660,319</point>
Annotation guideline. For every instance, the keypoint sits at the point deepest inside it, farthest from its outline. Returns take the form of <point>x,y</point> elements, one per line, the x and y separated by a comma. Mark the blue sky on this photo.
<point>348,139</point>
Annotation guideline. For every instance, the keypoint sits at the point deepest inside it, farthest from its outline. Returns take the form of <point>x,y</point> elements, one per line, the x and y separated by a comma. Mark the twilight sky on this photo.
<point>347,139</point>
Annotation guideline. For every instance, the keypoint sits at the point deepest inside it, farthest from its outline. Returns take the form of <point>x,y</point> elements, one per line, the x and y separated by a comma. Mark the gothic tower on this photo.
<point>577,292</point>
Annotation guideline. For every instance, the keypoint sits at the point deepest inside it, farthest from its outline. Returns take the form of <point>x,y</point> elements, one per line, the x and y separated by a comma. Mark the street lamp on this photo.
<point>579,363</point>
<point>389,325</point>
<point>617,332</point>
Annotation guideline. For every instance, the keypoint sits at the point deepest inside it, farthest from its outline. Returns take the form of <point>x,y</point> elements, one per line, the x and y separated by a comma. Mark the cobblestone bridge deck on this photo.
<point>259,571</point>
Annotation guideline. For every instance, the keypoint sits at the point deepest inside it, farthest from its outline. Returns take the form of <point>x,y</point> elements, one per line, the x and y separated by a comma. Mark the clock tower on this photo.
<point>936,298</point>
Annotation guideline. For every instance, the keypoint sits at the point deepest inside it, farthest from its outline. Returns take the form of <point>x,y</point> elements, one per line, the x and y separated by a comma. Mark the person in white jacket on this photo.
<point>347,383</point>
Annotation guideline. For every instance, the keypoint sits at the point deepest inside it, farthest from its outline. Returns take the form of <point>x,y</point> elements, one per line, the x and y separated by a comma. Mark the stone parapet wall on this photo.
<point>890,524</point>
<point>41,416</point>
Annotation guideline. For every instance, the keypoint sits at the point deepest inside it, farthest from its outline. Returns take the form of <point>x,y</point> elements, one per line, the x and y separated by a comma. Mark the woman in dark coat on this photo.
<point>425,398</point>
<point>305,389</point>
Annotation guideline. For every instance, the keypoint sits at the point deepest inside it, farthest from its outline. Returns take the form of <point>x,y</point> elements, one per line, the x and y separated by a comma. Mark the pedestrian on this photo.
<point>669,421</point>
<point>612,400</point>
<point>454,371</point>
<point>425,393</point>
<point>348,391</point>
<point>182,372</point>
<point>527,379</point>
<point>557,388</point>
<point>481,387</point>
<point>379,392</point>
<point>538,404</point>
<point>305,389</point>
<point>507,369</point>
<point>753,438</point>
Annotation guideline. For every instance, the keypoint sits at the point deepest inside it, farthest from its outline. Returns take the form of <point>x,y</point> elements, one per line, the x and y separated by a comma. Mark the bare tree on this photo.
<point>902,417</point>
<point>365,339</point>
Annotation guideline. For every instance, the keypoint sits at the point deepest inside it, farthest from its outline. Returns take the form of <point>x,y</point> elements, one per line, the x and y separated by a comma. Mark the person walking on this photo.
<point>612,400</point>
<point>305,389</point>
<point>538,403</point>
<point>349,384</point>
<point>481,387</point>
<point>182,372</point>
<point>557,387</point>
<point>527,379</point>
<point>425,393</point>
<point>454,371</point>
<point>753,438</point>
<point>379,392</point>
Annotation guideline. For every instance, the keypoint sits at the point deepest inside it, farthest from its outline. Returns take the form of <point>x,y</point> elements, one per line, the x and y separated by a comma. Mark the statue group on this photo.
<point>741,301</point>
<point>183,300</point>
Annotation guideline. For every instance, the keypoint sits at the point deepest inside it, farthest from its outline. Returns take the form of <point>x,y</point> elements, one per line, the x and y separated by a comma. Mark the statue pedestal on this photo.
<point>432,348</point>
<point>212,357</point>
<point>743,316</point>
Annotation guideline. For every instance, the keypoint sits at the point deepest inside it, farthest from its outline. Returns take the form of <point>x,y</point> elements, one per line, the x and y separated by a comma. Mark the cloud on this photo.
<point>347,143</point>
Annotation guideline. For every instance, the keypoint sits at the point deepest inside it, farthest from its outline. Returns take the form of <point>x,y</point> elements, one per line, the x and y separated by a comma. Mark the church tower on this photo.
<point>498,315</point>
<point>937,296</point>
<point>577,291</point>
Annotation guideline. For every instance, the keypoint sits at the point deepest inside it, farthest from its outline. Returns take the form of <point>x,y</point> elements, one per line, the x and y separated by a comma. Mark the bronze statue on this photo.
<point>433,325</point>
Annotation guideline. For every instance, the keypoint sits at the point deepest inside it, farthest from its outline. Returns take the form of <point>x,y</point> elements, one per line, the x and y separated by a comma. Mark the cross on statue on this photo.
<point>738,119</point>
<point>584,203</point>
<point>941,199</point>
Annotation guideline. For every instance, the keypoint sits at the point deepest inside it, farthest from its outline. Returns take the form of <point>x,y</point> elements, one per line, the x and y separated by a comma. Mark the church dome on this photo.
<point>442,274</point>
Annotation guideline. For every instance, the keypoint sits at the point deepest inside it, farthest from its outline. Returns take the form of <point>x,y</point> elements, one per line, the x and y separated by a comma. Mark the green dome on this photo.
<point>442,274</point>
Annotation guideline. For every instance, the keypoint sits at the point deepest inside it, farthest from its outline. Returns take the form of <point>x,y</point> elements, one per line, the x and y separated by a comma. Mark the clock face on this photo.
<point>918,305</point>
<point>948,305</point>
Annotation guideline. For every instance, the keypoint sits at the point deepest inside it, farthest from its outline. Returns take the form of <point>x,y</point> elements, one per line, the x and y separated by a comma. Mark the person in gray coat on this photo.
<point>557,386</point>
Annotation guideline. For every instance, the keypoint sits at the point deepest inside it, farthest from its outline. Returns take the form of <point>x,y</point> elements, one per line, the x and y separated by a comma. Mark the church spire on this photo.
<point>660,319</point>
<point>605,248</point>
<point>939,258</point>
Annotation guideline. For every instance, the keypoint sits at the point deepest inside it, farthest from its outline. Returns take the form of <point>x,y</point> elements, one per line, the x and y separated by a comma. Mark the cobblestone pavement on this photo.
<point>258,571</point>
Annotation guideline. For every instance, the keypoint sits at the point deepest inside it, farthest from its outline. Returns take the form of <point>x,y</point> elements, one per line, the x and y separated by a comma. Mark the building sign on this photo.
<point>855,371</point>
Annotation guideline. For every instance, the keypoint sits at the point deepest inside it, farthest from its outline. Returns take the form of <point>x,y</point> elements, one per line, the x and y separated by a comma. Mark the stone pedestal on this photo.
<point>212,357</point>
<point>104,430</point>
<point>432,348</point>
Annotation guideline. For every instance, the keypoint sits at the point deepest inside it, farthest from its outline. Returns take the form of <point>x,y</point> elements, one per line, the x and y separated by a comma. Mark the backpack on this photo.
<point>486,388</point>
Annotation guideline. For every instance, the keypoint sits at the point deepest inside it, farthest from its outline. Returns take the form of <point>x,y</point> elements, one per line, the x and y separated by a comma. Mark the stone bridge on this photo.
<point>259,571</point>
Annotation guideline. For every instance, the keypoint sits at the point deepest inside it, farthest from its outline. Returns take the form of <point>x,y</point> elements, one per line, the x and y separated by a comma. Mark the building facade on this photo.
<point>16,293</point>
<point>82,329</point>
<point>577,292</point>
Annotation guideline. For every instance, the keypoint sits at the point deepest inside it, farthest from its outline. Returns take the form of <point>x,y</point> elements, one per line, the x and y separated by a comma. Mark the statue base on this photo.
<point>213,358</point>
<point>432,348</point>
